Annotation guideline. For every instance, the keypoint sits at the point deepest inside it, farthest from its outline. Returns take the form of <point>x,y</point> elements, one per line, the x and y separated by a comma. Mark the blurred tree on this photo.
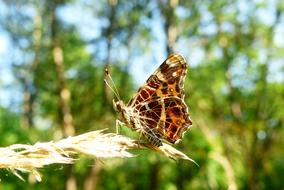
<point>58,58</point>
<point>64,94</point>
<point>24,39</point>
<point>233,88</point>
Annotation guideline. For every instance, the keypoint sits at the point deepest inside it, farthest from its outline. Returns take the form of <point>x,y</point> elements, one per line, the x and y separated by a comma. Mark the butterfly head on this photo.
<point>120,107</point>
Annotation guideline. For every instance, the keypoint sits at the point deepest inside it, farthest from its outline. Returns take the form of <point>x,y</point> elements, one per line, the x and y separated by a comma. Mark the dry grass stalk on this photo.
<point>28,158</point>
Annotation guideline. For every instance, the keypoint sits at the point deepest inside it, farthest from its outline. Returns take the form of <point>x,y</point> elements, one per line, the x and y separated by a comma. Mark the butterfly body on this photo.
<point>158,110</point>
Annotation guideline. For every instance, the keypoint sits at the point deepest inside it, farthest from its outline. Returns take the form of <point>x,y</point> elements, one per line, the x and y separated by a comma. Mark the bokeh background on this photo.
<point>53,55</point>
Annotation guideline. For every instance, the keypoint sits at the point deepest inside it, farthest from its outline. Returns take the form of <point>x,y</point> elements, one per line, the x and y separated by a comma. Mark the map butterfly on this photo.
<point>158,110</point>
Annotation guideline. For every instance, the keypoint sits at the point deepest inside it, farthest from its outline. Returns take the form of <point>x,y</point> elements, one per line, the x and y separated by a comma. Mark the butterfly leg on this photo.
<point>118,124</point>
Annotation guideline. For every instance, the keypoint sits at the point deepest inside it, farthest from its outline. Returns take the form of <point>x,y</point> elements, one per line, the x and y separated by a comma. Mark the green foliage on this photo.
<point>10,130</point>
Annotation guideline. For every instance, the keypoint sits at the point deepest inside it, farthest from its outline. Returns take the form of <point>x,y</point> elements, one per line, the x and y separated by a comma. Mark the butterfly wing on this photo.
<point>159,103</point>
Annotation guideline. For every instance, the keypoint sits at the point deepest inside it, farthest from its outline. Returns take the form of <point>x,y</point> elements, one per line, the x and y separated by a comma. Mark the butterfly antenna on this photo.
<point>112,86</point>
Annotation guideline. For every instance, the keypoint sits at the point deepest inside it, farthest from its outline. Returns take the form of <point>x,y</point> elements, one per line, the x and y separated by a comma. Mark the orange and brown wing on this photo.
<point>159,102</point>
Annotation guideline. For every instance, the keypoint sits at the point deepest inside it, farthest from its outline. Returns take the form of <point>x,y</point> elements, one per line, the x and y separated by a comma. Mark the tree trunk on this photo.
<point>92,180</point>
<point>168,9</point>
<point>63,91</point>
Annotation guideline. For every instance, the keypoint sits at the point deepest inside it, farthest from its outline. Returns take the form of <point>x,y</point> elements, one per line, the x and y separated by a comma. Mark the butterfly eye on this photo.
<point>117,105</point>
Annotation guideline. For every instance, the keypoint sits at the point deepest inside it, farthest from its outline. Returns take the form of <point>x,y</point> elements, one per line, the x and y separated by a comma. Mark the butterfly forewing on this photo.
<point>159,103</point>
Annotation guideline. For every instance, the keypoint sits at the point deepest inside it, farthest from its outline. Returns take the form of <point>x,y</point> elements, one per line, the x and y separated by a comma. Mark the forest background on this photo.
<point>53,56</point>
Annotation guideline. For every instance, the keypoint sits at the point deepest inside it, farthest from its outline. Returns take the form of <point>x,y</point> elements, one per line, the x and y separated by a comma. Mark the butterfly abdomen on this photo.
<point>152,139</point>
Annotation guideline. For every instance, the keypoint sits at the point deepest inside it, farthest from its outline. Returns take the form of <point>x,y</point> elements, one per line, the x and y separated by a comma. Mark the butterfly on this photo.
<point>158,110</point>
